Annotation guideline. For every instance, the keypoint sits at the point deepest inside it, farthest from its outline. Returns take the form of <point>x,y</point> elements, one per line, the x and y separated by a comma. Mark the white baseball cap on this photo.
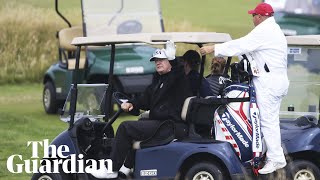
<point>159,53</point>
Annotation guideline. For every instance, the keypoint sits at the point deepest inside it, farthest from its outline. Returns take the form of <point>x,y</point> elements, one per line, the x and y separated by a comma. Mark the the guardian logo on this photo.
<point>60,158</point>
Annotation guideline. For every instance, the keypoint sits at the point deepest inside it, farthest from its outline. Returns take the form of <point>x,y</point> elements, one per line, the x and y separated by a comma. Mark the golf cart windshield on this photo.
<point>103,17</point>
<point>304,7</point>
<point>89,102</point>
<point>304,74</point>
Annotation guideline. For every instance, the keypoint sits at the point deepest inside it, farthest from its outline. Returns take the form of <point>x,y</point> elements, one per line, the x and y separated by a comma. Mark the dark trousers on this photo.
<point>130,131</point>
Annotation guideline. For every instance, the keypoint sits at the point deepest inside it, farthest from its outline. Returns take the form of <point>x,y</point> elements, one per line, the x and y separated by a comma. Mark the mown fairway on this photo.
<point>28,46</point>
<point>22,119</point>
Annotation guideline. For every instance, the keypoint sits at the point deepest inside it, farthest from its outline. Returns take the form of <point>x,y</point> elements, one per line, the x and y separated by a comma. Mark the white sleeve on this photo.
<point>248,43</point>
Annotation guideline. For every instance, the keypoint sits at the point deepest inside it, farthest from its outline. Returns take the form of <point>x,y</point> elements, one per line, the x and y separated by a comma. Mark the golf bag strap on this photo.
<point>256,130</point>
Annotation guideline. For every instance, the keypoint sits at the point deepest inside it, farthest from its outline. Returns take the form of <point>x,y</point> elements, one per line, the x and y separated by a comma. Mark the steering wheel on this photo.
<point>120,98</point>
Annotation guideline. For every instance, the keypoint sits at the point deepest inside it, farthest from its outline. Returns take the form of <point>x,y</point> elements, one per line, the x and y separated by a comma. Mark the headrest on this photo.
<point>185,108</point>
<point>66,36</point>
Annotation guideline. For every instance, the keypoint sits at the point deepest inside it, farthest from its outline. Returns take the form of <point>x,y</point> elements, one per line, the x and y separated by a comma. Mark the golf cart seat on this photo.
<point>199,113</point>
<point>200,117</point>
<point>67,50</point>
<point>157,139</point>
<point>301,123</point>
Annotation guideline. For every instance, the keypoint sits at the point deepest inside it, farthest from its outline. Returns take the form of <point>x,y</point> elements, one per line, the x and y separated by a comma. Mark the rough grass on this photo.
<point>28,45</point>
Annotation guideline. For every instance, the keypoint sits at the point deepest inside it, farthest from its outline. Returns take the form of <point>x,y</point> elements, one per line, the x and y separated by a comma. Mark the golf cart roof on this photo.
<point>305,40</point>
<point>154,38</point>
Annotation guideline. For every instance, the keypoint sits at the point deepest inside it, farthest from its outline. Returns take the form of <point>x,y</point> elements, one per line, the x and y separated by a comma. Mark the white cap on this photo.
<point>159,53</point>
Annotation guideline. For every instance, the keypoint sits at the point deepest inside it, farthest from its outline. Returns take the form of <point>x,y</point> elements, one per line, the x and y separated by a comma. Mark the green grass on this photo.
<point>23,119</point>
<point>228,16</point>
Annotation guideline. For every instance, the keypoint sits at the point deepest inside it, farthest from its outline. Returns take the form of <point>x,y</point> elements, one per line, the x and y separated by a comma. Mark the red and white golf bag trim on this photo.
<point>239,124</point>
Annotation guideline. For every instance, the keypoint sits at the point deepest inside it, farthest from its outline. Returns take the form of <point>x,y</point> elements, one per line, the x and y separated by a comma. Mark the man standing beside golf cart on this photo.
<point>164,98</point>
<point>267,47</point>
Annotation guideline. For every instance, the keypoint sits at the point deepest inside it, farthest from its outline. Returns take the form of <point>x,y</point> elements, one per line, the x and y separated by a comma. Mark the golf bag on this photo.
<point>239,123</point>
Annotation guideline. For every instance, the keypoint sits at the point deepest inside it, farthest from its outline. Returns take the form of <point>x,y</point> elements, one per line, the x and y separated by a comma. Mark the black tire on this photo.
<point>47,176</point>
<point>302,169</point>
<point>205,170</point>
<point>49,99</point>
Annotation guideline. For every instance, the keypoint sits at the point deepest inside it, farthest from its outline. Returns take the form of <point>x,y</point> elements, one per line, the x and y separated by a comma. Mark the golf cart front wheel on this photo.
<point>49,176</point>
<point>204,171</point>
<point>302,169</point>
<point>50,102</point>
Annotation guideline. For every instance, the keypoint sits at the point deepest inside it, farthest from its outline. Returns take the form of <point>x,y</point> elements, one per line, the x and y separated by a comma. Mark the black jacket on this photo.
<point>193,77</point>
<point>216,85</point>
<point>165,96</point>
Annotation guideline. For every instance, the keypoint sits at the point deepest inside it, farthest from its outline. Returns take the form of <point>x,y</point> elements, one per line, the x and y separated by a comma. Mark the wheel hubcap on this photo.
<point>45,177</point>
<point>304,174</point>
<point>46,98</point>
<point>203,175</point>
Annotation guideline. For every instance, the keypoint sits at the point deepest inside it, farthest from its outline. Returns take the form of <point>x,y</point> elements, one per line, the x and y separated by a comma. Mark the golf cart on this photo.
<point>297,17</point>
<point>132,71</point>
<point>196,156</point>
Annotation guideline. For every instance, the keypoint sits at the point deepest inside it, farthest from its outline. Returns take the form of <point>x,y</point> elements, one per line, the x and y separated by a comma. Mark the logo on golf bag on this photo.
<point>233,123</point>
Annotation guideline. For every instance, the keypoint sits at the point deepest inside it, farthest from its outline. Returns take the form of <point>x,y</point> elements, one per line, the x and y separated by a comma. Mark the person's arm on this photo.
<point>141,102</point>
<point>236,47</point>
<point>248,43</point>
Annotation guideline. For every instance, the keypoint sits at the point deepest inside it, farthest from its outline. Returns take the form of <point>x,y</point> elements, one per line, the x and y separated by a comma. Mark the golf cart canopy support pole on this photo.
<point>74,90</point>
<point>203,59</point>
<point>110,82</point>
<point>58,12</point>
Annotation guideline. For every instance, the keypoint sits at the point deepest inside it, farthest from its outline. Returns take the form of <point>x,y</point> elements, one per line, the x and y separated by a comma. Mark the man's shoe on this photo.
<point>270,167</point>
<point>125,170</point>
<point>103,173</point>
<point>121,175</point>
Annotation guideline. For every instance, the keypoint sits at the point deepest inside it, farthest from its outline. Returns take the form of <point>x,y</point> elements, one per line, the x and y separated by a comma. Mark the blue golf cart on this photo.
<point>199,155</point>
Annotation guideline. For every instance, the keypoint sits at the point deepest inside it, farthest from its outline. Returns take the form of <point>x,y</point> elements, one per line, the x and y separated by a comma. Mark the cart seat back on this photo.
<point>67,50</point>
<point>199,114</point>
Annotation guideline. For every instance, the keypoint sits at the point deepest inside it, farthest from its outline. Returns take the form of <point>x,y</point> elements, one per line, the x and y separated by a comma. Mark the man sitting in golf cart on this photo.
<point>191,62</point>
<point>164,98</point>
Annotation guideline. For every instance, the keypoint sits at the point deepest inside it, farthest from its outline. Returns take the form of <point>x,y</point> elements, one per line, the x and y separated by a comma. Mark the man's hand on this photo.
<point>126,107</point>
<point>206,50</point>
<point>170,50</point>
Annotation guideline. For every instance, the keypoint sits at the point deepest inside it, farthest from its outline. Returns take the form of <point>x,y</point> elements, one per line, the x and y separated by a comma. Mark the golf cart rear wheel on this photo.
<point>49,99</point>
<point>51,176</point>
<point>302,169</point>
<point>204,171</point>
